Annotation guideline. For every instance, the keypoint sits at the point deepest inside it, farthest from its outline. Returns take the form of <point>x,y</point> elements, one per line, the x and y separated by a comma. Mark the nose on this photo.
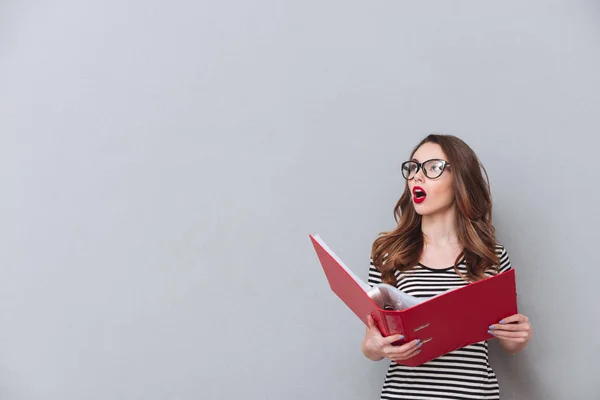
<point>419,176</point>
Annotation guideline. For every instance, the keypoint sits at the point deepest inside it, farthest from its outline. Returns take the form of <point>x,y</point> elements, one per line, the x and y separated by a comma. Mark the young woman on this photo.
<point>444,239</point>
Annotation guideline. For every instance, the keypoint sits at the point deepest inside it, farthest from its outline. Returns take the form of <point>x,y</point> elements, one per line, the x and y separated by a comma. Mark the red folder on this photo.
<point>444,323</point>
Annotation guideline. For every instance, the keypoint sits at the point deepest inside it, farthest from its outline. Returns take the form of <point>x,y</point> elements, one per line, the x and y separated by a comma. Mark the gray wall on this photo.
<point>162,164</point>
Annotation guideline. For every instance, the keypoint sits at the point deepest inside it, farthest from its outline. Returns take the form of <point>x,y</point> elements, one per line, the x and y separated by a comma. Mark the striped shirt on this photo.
<point>461,374</point>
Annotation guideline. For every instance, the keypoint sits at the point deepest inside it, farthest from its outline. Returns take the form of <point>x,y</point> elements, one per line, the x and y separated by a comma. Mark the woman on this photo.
<point>444,239</point>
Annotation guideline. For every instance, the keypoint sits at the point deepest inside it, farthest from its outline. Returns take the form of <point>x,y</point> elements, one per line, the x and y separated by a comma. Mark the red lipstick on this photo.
<point>419,194</point>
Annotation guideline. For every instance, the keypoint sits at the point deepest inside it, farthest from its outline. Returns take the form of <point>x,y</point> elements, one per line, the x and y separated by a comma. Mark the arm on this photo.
<point>376,347</point>
<point>367,345</point>
<point>514,332</point>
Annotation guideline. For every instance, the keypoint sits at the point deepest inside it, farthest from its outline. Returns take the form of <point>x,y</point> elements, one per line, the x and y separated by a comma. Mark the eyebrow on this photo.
<point>414,159</point>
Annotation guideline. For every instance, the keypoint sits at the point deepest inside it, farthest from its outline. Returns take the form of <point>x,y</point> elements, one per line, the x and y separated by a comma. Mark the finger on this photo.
<point>510,327</point>
<point>370,321</point>
<point>372,325</point>
<point>514,318</point>
<point>407,355</point>
<point>515,340</point>
<point>403,350</point>
<point>510,335</point>
<point>406,347</point>
<point>394,338</point>
<point>414,353</point>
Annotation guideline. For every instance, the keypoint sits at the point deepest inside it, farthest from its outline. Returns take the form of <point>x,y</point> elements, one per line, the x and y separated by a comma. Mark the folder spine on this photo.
<point>394,324</point>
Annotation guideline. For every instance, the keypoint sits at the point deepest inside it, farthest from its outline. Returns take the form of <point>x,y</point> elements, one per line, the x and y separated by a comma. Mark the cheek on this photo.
<point>444,194</point>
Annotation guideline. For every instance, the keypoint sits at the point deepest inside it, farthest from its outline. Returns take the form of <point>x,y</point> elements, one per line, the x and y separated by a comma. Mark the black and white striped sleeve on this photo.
<point>374,274</point>
<point>504,259</point>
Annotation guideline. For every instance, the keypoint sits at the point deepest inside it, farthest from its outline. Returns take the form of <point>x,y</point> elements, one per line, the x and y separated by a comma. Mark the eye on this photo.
<point>411,167</point>
<point>435,167</point>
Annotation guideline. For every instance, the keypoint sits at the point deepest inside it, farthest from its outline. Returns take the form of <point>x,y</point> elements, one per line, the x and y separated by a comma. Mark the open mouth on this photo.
<point>419,194</point>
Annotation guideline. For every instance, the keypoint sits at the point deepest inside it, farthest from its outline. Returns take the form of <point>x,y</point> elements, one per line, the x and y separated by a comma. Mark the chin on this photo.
<point>424,211</point>
<point>421,210</point>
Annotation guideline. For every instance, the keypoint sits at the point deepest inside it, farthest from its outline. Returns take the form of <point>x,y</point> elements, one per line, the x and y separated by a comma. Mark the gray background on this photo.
<point>162,164</point>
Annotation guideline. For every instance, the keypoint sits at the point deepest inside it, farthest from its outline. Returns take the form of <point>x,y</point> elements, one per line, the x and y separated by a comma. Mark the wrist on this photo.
<point>513,347</point>
<point>370,353</point>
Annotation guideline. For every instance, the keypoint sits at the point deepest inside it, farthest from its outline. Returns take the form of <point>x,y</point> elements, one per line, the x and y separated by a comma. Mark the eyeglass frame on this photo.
<point>420,167</point>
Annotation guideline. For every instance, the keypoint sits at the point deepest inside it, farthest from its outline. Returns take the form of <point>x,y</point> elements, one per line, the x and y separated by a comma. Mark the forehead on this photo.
<point>428,151</point>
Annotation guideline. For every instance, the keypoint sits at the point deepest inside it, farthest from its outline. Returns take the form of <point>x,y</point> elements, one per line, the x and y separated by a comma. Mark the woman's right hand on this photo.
<point>376,347</point>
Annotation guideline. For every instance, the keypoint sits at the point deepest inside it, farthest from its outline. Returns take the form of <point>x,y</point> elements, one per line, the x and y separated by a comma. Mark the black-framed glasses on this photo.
<point>431,168</point>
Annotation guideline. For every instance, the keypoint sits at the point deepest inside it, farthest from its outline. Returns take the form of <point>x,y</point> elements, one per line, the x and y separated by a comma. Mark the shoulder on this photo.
<point>374,274</point>
<point>503,258</point>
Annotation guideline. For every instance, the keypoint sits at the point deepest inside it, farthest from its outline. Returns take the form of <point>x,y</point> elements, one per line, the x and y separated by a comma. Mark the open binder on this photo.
<point>446,322</point>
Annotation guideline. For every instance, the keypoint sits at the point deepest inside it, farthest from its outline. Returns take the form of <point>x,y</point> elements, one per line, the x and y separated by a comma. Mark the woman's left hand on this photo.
<point>515,328</point>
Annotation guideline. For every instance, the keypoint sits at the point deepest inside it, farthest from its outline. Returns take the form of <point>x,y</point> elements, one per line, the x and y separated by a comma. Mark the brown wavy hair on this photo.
<point>401,248</point>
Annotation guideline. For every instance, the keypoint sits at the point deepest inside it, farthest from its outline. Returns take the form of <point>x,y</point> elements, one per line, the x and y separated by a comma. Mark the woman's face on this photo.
<point>431,196</point>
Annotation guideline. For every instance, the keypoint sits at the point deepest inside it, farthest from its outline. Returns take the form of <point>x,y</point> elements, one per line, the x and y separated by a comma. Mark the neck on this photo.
<point>440,229</point>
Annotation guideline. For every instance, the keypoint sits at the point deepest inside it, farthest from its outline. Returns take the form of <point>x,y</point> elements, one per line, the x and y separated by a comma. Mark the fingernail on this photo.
<point>491,333</point>
<point>502,321</point>
<point>491,327</point>
<point>400,337</point>
<point>419,342</point>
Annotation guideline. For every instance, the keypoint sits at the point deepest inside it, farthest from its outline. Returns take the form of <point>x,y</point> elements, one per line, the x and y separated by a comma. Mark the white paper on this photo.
<point>382,293</point>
